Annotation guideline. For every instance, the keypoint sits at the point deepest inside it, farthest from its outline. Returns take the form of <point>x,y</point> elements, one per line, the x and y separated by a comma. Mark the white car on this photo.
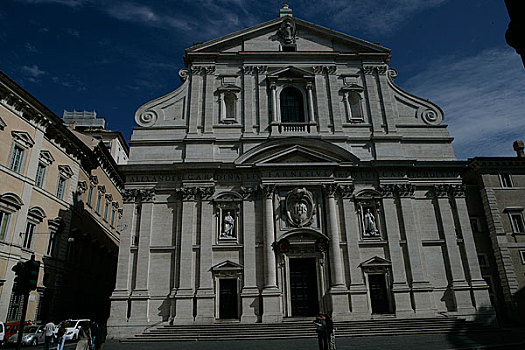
<point>73,328</point>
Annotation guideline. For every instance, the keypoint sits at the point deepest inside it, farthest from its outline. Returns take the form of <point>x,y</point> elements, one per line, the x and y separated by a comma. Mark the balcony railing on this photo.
<point>291,128</point>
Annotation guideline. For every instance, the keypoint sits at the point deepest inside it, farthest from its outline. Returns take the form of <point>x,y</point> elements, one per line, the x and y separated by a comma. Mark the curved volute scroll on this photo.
<point>168,110</point>
<point>426,111</point>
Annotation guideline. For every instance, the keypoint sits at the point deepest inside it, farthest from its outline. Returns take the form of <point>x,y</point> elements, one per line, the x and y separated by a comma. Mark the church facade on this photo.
<point>290,175</point>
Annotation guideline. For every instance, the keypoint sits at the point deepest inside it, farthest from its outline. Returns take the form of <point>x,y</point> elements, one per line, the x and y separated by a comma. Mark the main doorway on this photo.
<point>228,298</point>
<point>303,287</point>
<point>378,293</point>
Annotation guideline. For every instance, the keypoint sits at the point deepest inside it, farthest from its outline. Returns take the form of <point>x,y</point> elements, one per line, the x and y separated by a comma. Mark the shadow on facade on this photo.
<point>79,276</point>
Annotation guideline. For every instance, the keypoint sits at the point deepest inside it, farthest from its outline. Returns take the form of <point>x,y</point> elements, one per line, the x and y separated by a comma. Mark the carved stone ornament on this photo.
<point>458,190</point>
<point>430,117</point>
<point>82,187</point>
<point>136,195</point>
<point>183,74</point>
<point>392,74</point>
<point>191,193</point>
<point>299,207</point>
<point>368,70</point>
<point>397,190</point>
<point>287,32</point>
<point>441,190</point>
<point>248,192</point>
<point>382,70</point>
<point>147,118</point>
<point>268,191</point>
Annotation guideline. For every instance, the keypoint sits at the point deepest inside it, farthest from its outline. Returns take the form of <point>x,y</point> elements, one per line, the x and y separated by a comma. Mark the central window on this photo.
<point>292,107</point>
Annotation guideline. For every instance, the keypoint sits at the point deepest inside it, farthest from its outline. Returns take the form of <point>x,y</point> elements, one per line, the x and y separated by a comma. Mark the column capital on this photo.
<point>194,192</point>
<point>248,192</point>
<point>331,189</point>
<point>138,195</point>
<point>397,190</point>
<point>268,190</point>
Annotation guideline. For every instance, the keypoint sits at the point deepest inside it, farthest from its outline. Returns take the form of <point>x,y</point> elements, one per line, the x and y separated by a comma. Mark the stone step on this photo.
<point>305,329</point>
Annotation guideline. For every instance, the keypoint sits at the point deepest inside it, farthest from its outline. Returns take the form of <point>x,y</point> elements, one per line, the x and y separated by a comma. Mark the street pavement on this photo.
<point>507,339</point>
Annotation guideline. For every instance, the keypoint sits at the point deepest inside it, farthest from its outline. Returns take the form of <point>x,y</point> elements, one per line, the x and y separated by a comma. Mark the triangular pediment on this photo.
<point>310,37</point>
<point>297,155</point>
<point>291,72</point>
<point>376,261</point>
<point>226,266</point>
<point>297,151</point>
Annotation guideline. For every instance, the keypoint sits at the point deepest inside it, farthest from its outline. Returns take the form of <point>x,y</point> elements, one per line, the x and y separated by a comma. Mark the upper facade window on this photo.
<point>506,180</point>
<point>228,100</point>
<point>292,106</point>
<point>65,173</point>
<point>4,224</point>
<point>21,143</point>
<point>517,223</point>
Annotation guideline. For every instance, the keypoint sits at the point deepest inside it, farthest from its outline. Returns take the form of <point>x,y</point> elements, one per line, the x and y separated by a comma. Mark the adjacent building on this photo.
<point>289,175</point>
<point>496,203</point>
<point>59,200</point>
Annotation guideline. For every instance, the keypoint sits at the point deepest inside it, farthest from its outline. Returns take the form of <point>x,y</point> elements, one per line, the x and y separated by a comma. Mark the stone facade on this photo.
<point>496,200</point>
<point>47,170</point>
<point>289,175</point>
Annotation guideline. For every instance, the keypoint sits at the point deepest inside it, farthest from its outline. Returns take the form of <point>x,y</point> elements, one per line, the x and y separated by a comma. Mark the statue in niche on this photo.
<point>370,224</point>
<point>228,226</point>
<point>287,32</point>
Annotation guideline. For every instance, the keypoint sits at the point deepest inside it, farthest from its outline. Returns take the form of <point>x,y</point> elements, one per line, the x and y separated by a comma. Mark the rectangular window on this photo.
<point>506,180</point>
<point>61,188</point>
<point>474,223</point>
<point>112,223</point>
<point>99,199</point>
<point>90,196</point>
<point>4,224</point>
<point>16,159</point>
<point>517,223</point>
<point>15,307</point>
<point>40,172</point>
<point>28,237</point>
<point>106,210</point>
<point>522,256</point>
<point>51,244</point>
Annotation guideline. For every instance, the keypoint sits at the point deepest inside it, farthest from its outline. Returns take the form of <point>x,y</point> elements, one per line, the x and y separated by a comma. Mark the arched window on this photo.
<point>353,106</point>
<point>292,107</point>
<point>229,102</point>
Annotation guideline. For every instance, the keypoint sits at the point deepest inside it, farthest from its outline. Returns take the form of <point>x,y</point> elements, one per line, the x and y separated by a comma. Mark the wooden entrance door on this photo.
<point>303,287</point>
<point>378,293</point>
<point>228,298</point>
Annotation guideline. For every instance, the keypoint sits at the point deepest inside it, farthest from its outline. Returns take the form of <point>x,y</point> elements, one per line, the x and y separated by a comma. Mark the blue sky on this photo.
<point>114,55</point>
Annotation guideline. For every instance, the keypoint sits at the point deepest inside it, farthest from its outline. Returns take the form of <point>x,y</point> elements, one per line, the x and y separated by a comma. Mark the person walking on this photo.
<point>84,335</point>
<point>94,334</point>
<point>49,330</point>
<point>321,327</point>
<point>60,336</point>
<point>101,337</point>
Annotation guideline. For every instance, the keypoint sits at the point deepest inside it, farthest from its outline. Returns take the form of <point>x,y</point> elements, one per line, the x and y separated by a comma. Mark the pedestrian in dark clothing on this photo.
<point>94,334</point>
<point>322,327</point>
<point>101,336</point>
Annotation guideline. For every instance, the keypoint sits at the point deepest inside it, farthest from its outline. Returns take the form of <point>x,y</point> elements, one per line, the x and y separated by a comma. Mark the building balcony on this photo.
<point>291,128</point>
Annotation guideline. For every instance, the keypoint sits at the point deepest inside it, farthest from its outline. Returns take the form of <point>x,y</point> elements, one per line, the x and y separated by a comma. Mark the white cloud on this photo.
<point>31,48</point>
<point>127,11</point>
<point>380,17</point>
<point>33,71</point>
<point>483,97</point>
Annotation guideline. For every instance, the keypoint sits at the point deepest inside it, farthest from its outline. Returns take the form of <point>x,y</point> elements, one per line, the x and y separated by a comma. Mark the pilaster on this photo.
<point>322,100</point>
<point>373,101</point>
<point>208,90</point>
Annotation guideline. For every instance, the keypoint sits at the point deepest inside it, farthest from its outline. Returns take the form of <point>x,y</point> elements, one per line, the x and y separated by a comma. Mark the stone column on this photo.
<point>421,287</point>
<point>338,291</point>
<point>271,294</point>
<point>119,298</point>
<point>262,99</point>
<point>140,294</point>
<point>208,90</point>
<point>249,103</point>
<point>372,99</point>
<point>195,105</point>
<point>358,290</point>
<point>275,115</point>
<point>311,107</point>
<point>184,294</point>
<point>460,287</point>
<point>478,284</point>
<point>400,288</point>
<point>205,294</point>
<point>322,100</point>
<point>249,292</point>
<point>387,99</point>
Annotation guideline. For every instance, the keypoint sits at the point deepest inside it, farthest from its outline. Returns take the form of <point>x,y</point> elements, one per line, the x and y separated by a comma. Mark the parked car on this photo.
<point>33,335</point>
<point>73,328</point>
<point>12,328</point>
<point>2,333</point>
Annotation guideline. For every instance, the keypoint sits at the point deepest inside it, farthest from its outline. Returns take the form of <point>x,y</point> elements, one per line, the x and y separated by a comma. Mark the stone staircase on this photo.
<point>305,329</point>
